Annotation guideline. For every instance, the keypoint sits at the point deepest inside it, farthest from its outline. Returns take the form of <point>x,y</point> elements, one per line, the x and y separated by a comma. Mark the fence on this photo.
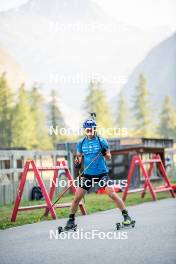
<point>12,162</point>
<point>8,192</point>
<point>11,167</point>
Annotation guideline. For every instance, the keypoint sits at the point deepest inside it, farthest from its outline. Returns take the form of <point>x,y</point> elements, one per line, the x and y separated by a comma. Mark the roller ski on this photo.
<point>127,222</point>
<point>122,225</point>
<point>70,226</point>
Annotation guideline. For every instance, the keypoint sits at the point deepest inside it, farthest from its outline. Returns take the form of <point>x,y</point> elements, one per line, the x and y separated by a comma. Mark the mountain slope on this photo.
<point>14,73</point>
<point>159,67</point>
<point>73,40</point>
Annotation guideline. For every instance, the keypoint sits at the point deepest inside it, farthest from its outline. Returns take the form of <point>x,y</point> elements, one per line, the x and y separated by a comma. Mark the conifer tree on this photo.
<point>39,114</point>
<point>6,109</point>
<point>55,118</point>
<point>96,101</point>
<point>143,126</point>
<point>167,126</point>
<point>122,112</point>
<point>23,124</point>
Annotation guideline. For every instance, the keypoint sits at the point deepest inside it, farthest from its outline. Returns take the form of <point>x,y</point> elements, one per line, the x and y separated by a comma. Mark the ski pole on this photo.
<point>79,175</point>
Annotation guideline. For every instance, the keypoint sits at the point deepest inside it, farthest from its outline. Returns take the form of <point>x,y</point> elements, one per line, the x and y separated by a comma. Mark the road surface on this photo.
<point>153,240</point>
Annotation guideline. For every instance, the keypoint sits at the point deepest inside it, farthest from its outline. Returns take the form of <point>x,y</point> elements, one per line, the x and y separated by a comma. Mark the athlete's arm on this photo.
<point>106,151</point>
<point>79,153</point>
<point>78,160</point>
<point>108,155</point>
<point>79,156</point>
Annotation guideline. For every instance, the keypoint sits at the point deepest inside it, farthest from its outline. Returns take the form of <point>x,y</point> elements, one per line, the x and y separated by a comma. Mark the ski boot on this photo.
<point>70,226</point>
<point>127,222</point>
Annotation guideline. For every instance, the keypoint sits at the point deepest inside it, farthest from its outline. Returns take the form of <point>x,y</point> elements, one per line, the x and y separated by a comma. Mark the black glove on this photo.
<point>103,151</point>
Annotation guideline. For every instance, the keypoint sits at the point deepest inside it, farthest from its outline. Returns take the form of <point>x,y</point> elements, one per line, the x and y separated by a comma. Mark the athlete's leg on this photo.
<point>112,194</point>
<point>119,203</point>
<point>79,194</point>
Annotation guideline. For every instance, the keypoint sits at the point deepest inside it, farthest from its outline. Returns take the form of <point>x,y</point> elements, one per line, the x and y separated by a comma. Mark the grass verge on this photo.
<point>93,203</point>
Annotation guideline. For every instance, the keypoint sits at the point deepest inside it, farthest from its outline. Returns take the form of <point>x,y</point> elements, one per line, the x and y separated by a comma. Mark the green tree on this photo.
<point>167,126</point>
<point>39,115</point>
<point>23,124</point>
<point>122,113</point>
<point>6,107</point>
<point>142,110</point>
<point>96,101</point>
<point>55,118</point>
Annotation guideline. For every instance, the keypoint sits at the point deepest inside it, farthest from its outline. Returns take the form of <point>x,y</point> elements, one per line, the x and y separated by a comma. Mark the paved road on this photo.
<point>152,241</point>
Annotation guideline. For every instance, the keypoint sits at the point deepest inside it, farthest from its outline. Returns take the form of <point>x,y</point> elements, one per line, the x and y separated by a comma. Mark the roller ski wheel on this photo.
<point>60,229</point>
<point>121,225</point>
<point>67,229</point>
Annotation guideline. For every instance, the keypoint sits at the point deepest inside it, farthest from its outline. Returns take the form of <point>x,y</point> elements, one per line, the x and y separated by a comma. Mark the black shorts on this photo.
<point>102,180</point>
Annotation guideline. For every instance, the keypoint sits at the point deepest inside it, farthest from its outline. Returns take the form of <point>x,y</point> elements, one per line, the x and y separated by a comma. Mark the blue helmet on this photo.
<point>89,123</point>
